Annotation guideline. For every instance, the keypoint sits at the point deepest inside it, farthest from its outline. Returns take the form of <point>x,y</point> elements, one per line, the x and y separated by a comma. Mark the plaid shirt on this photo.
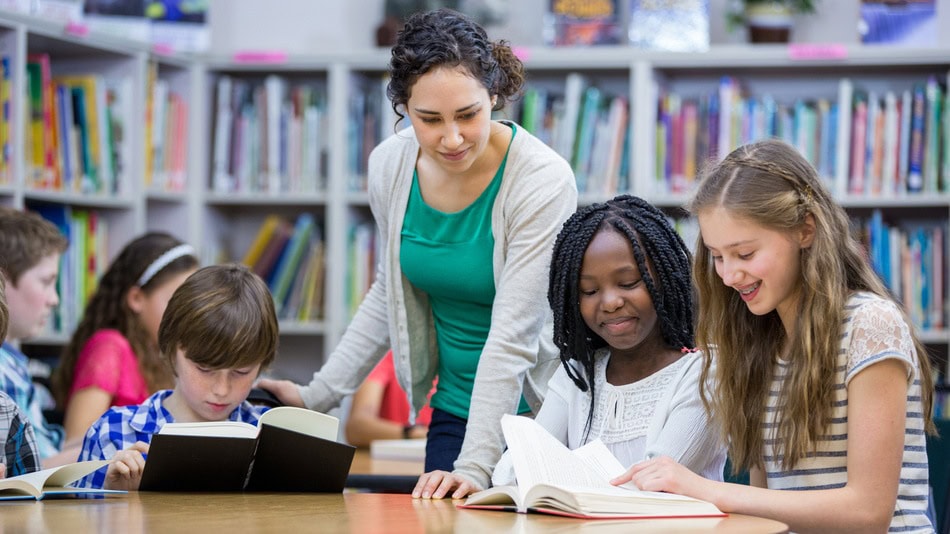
<point>16,382</point>
<point>120,427</point>
<point>17,439</point>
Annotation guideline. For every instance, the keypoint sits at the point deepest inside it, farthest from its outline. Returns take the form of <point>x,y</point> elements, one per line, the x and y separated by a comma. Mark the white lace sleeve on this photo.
<point>879,332</point>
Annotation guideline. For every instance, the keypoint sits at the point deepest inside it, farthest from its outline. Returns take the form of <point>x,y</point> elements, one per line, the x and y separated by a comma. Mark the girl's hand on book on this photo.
<point>436,484</point>
<point>662,474</point>
<point>285,390</point>
<point>3,470</point>
<point>125,470</point>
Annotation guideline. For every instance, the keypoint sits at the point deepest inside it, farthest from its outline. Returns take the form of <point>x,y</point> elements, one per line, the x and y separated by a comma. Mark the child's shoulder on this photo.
<point>863,305</point>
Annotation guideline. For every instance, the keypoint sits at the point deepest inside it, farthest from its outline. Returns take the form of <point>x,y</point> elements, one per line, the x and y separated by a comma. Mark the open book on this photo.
<point>52,482</point>
<point>291,449</point>
<point>553,479</point>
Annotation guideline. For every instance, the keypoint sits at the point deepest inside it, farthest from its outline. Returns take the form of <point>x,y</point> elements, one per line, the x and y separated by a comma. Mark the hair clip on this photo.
<point>686,350</point>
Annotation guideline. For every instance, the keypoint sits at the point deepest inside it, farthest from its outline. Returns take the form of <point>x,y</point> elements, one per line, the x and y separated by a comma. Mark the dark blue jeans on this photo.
<point>444,440</point>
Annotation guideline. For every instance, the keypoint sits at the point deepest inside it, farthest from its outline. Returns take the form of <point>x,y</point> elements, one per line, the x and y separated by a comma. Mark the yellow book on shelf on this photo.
<point>260,240</point>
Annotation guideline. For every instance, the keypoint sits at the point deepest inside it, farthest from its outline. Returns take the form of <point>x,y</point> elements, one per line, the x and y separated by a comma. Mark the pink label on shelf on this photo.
<point>521,52</point>
<point>76,28</point>
<point>817,51</point>
<point>163,49</point>
<point>260,56</point>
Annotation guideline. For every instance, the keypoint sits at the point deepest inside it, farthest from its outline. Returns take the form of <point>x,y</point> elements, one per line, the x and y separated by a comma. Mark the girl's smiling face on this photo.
<point>763,265</point>
<point>614,301</point>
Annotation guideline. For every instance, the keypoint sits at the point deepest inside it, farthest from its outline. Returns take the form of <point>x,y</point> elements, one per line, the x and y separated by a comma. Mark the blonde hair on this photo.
<point>769,183</point>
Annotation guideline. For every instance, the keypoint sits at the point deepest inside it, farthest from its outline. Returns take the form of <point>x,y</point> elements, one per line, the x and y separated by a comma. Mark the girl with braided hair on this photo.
<point>821,384</point>
<point>112,358</point>
<point>621,295</point>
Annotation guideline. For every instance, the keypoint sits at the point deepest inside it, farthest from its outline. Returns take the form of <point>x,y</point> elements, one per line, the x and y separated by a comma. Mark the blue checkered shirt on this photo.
<point>16,382</point>
<point>121,426</point>
<point>16,439</point>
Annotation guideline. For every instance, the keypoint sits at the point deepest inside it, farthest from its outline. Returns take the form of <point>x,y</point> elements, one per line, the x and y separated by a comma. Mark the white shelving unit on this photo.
<point>223,225</point>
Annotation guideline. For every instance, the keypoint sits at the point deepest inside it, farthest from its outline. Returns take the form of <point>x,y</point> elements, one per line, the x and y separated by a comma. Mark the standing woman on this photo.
<point>468,209</point>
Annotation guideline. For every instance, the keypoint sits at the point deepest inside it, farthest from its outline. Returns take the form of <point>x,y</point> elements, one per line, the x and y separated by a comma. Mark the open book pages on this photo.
<point>301,420</point>
<point>52,481</point>
<point>554,479</point>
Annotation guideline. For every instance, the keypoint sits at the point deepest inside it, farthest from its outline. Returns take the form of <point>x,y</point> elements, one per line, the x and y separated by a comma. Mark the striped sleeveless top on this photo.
<point>874,330</point>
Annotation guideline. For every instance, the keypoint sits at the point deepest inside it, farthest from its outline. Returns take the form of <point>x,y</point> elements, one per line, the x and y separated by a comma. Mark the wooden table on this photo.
<point>239,513</point>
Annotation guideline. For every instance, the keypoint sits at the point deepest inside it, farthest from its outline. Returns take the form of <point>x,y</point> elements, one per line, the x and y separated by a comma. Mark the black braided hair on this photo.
<point>659,252</point>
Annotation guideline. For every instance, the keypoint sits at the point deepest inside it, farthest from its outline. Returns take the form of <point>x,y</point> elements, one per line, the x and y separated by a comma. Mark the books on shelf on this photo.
<point>290,259</point>
<point>583,22</point>
<point>52,482</point>
<point>553,479</point>
<point>671,25</point>
<point>269,136</point>
<point>864,141</point>
<point>291,449</point>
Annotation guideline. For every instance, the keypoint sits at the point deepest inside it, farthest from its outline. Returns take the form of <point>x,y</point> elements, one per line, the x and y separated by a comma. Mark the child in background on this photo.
<point>380,409</point>
<point>30,250</point>
<point>112,358</point>
<point>16,433</point>
<point>821,383</point>
<point>622,302</point>
<point>218,333</point>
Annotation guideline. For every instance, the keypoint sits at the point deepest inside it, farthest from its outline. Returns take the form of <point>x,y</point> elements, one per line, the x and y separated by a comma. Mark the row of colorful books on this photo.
<point>865,143</point>
<point>82,265</point>
<point>166,135</point>
<point>290,258</point>
<point>586,125</point>
<point>270,136</point>
<point>911,261</point>
<point>73,138</point>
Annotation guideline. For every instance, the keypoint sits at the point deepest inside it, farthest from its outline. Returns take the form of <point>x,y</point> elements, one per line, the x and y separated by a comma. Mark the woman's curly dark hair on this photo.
<point>446,38</point>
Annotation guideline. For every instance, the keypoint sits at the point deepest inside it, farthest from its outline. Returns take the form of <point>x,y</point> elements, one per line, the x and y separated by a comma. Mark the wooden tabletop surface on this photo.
<point>295,512</point>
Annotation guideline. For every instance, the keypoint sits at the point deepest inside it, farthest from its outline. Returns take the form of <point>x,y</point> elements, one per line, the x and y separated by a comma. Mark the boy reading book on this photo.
<point>218,332</point>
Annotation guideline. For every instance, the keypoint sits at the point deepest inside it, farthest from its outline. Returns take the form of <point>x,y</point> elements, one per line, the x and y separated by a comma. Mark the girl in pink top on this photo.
<point>112,358</point>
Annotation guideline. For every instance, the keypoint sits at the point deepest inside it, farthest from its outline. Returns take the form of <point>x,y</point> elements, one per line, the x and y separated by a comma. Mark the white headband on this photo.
<point>162,261</point>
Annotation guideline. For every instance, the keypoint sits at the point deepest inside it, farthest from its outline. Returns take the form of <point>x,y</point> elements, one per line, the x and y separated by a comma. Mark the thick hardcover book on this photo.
<point>553,479</point>
<point>291,449</point>
<point>52,482</point>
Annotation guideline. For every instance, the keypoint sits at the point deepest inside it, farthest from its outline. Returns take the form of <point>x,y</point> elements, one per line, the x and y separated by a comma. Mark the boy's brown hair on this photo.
<point>25,239</point>
<point>222,317</point>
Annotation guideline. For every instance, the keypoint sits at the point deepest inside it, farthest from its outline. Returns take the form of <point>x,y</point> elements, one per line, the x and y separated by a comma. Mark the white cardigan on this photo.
<point>537,195</point>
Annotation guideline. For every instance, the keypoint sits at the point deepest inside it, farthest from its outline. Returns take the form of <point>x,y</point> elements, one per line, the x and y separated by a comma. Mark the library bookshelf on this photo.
<point>225,143</point>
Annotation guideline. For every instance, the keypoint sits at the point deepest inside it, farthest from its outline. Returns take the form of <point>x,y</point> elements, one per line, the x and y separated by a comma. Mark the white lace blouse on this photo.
<point>661,414</point>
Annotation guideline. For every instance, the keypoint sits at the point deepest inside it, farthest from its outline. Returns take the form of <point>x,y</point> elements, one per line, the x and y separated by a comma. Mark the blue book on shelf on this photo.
<point>290,260</point>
